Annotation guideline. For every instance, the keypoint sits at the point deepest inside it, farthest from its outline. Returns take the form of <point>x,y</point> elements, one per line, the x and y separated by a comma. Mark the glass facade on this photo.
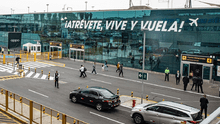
<point>116,36</point>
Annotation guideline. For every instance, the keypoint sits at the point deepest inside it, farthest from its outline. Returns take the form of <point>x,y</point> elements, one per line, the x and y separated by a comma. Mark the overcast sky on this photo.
<point>21,6</point>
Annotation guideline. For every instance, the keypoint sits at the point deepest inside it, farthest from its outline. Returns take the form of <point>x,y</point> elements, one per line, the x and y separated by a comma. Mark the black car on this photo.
<point>99,97</point>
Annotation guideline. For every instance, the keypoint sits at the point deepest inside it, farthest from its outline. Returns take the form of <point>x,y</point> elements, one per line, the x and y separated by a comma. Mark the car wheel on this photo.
<point>138,119</point>
<point>73,99</point>
<point>99,106</point>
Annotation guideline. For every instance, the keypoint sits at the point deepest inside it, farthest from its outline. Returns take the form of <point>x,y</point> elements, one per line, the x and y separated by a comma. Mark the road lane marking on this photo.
<point>166,95</point>
<point>37,75</point>
<point>101,81</point>
<point>156,85</point>
<point>106,118</point>
<point>38,93</point>
<point>29,75</point>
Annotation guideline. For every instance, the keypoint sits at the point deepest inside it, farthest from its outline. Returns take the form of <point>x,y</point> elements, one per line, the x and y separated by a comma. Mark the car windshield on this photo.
<point>196,116</point>
<point>107,93</point>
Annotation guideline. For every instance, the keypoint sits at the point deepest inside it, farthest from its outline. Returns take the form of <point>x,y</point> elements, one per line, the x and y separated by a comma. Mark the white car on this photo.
<point>165,112</point>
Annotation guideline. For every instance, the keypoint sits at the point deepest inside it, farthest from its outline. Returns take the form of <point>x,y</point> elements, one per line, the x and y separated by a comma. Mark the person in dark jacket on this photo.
<point>204,104</point>
<point>200,83</point>
<point>121,70</point>
<point>56,76</point>
<point>194,83</point>
<point>17,60</point>
<point>93,70</point>
<point>185,82</point>
<point>177,77</point>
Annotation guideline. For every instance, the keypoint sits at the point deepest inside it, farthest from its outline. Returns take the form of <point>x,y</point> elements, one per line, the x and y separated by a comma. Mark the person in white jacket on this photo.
<point>82,71</point>
<point>56,76</point>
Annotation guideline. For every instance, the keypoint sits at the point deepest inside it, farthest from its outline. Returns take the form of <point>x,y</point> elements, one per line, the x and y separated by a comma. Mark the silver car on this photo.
<point>165,112</point>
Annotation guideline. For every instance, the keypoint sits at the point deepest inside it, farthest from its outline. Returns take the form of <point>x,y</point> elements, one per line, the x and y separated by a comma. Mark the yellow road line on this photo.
<point>2,78</point>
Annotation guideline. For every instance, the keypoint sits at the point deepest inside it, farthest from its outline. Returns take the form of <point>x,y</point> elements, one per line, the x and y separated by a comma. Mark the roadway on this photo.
<point>44,92</point>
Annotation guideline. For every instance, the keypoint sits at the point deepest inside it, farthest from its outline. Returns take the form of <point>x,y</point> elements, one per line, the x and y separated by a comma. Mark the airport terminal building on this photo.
<point>180,39</point>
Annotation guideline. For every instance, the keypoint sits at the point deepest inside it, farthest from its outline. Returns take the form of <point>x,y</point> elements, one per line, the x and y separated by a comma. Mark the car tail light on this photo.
<point>107,101</point>
<point>193,122</point>
<point>183,122</point>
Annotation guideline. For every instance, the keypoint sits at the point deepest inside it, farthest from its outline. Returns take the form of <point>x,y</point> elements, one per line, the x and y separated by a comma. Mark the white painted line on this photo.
<point>29,75</point>
<point>101,81</point>
<point>51,78</point>
<point>44,77</point>
<point>151,84</point>
<point>38,93</point>
<point>106,118</point>
<point>25,71</point>
<point>166,95</point>
<point>37,75</point>
<point>16,73</point>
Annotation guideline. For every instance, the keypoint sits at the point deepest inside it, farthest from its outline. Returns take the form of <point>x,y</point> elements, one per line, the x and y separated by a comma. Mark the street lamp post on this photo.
<point>28,9</point>
<point>142,94</point>
<point>86,5</point>
<point>47,7</point>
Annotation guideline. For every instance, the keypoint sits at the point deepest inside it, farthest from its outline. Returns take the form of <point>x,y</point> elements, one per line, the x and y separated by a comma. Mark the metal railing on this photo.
<point>212,117</point>
<point>32,112</point>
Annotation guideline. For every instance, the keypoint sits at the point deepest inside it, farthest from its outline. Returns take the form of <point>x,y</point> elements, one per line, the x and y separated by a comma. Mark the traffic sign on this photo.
<point>143,76</point>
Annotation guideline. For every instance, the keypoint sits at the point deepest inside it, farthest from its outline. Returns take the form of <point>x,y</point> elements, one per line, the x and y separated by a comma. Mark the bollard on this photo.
<point>147,97</point>
<point>20,99</point>
<point>7,63</point>
<point>58,116</point>
<point>10,95</point>
<point>49,76</point>
<point>44,110</point>
<point>35,70</point>
<point>87,86</point>
<point>1,91</point>
<point>29,69</point>
<point>23,67</point>
<point>74,121</point>
<point>23,74</point>
<point>12,64</point>
<point>41,71</point>
<point>133,103</point>
<point>131,93</point>
<point>118,91</point>
<point>163,100</point>
<point>78,88</point>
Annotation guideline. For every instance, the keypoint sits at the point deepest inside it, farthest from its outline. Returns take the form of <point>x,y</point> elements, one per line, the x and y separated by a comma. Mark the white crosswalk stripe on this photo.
<point>28,74</point>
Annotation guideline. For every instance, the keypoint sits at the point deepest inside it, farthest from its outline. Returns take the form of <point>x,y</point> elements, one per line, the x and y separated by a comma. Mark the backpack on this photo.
<point>85,69</point>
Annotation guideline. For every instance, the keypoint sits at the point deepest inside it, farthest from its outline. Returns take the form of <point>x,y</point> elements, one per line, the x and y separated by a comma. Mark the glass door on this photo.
<point>185,70</point>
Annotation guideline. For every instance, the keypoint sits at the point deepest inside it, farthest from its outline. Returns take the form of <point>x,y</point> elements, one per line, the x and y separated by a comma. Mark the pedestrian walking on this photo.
<point>121,70</point>
<point>2,50</point>
<point>158,62</point>
<point>106,66</point>
<point>56,76</point>
<point>177,57</point>
<point>204,104</point>
<point>200,83</point>
<point>118,67</point>
<point>8,51</point>
<point>185,82</point>
<point>191,75</point>
<point>194,83</point>
<point>93,68</point>
<point>17,60</point>
<point>132,61</point>
<point>81,71</point>
<point>177,77</point>
<point>84,71</point>
<point>167,71</point>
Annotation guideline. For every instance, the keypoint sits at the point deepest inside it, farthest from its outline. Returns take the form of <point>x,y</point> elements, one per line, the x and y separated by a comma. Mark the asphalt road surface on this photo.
<point>45,93</point>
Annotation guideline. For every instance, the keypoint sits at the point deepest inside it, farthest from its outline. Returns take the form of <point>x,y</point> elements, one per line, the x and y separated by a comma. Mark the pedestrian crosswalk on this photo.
<point>26,73</point>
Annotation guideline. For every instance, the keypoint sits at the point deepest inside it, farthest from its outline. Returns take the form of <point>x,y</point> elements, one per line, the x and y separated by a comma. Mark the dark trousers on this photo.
<point>167,77</point>
<point>194,84</point>
<point>200,88</point>
<point>82,74</point>
<point>177,81</point>
<point>185,86</point>
<point>117,69</point>
<point>121,72</point>
<point>17,62</point>
<point>56,83</point>
<point>94,71</point>
<point>205,108</point>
